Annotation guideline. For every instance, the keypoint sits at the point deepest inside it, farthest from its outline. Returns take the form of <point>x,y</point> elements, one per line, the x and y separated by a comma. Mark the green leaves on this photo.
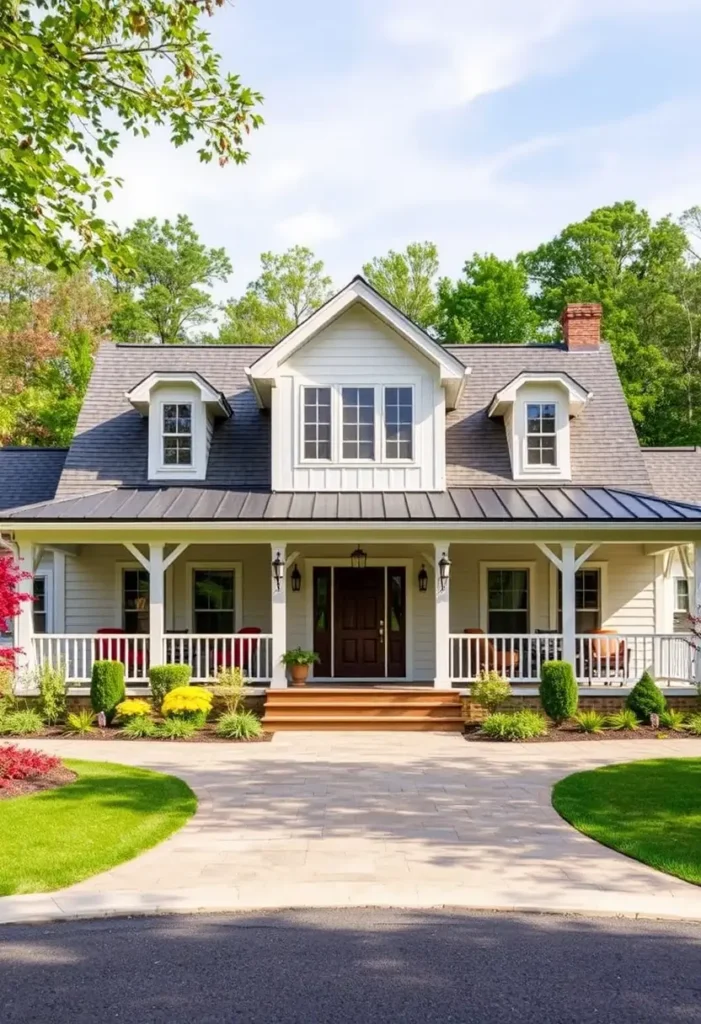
<point>407,279</point>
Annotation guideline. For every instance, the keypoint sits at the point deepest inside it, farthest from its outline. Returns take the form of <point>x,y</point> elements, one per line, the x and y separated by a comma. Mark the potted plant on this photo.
<point>298,662</point>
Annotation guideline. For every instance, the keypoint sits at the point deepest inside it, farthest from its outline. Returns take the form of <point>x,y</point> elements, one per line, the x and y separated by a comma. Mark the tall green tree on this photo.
<point>290,287</point>
<point>408,280</point>
<point>490,303</point>
<point>163,299</point>
<point>75,75</point>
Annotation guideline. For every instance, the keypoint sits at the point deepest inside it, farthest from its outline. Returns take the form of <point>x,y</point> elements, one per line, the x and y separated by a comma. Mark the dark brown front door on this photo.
<point>359,598</point>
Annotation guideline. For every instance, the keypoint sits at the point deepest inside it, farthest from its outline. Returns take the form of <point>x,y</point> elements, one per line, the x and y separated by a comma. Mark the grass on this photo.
<point>108,815</point>
<point>649,810</point>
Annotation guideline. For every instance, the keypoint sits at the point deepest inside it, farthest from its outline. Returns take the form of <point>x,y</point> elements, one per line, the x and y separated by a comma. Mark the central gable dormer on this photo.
<point>358,395</point>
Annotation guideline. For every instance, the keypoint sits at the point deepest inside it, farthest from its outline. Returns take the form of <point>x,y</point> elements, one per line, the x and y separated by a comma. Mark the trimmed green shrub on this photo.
<point>646,698</point>
<point>107,687</point>
<point>139,726</point>
<point>626,718</point>
<point>21,722</point>
<point>52,692</point>
<point>164,678</point>
<point>674,720</point>
<point>590,721</point>
<point>239,725</point>
<point>558,691</point>
<point>490,691</point>
<point>514,726</point>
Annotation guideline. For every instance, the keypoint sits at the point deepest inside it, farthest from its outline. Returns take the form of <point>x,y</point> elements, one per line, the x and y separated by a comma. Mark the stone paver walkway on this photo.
<point>361,819</point>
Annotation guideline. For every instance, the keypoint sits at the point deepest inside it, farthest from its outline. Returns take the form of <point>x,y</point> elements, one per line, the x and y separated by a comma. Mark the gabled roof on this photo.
<point>675,472</point>
<point>140,395</point>
<point>28,475</point>
<point>578,396</point>
<point>453,372</point>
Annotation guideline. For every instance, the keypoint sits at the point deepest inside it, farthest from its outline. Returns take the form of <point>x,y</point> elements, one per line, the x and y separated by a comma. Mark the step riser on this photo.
<point>367,725</point>
<point>362,709</point>
<point>427,716</point>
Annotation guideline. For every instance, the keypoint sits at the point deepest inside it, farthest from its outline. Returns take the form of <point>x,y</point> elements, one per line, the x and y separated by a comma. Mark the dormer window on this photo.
<point>177,434</point>
<point>541,434</point>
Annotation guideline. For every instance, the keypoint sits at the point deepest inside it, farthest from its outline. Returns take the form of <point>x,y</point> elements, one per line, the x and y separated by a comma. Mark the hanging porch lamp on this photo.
<point>278,570</point>
<point>444,570</point>
<point>296,579</point>
<point>359,558</point>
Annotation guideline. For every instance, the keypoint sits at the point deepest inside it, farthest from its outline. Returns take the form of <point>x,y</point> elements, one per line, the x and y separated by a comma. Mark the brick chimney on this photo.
<point>581,326</point>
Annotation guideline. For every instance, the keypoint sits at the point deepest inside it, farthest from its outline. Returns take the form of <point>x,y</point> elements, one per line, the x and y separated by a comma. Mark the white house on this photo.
<point>413,512</point>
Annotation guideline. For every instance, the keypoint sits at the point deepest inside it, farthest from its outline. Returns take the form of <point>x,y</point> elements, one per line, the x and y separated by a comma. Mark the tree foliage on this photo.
<point>12,597</point>
<point>74,76</point>
<point>407,279</point>
<point>490,303</point>
<point>290,287</point>
<point>163,299</point>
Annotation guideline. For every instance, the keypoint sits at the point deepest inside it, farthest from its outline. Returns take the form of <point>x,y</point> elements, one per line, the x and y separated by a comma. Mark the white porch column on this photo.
<point>278,677</point>
<point>24,630</point>
<point>442,679</point>
<point>156,619</point>
<point>568,602</point>
<point>695,608</point>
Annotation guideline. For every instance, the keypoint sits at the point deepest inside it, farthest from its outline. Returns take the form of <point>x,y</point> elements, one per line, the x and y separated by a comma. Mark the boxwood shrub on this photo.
<point>164,678</point>
<point>646,698</point>
<point>107,687</point>
<point>558,690</point>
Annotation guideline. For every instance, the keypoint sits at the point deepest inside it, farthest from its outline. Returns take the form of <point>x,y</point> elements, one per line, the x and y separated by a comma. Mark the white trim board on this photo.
<point>485,566</point>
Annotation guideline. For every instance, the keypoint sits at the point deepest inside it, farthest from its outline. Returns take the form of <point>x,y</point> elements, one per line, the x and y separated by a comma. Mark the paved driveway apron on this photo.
<point>324,819</point>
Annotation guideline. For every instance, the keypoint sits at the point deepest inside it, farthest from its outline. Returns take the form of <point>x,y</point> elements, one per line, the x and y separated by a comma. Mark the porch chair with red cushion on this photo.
<point>240,653</point>
<point>118,650</point>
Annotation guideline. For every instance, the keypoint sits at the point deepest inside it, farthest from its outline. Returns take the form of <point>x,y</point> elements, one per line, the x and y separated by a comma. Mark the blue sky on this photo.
<point>483,126</point>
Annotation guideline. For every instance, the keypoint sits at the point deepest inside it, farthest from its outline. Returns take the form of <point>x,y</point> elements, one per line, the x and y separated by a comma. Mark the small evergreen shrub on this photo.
<point>107,687</point>
<point>646,698</point>
<point>239,725</point>
<point>490,691</point>
<point>138,727</point>
<point>558,691</point>
<point>79,723</point>
<point>52,692</point>
<point>674,720</point>
<point>176,729</point>
<point>21,722</point>
<point>164,678</point>
<point>189,703</point>
<point>590,721</point>
<point>626,718</point>
<point>514,726</point>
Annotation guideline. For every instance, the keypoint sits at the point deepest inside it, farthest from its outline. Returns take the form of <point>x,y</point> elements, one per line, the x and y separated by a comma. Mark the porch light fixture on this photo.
<point>278,570</point>
<point>359,558</point>
<point>423,579</point>
<point>444,570</point>
<point>296,579</point>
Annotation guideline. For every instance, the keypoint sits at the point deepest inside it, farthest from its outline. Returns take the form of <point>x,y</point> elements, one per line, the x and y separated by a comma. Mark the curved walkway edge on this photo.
<point>315,820</point>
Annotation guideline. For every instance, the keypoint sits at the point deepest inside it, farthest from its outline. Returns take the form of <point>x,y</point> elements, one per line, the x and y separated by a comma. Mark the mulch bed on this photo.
<point>204,735</point>
<point>25,787</point>
<point>569,733</point>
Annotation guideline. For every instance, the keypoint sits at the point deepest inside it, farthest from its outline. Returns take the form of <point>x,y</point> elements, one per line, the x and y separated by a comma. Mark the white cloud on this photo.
<point>308,228</point>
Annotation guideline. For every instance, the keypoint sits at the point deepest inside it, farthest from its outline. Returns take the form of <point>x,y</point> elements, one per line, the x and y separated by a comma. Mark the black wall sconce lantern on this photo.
<point>296,579</point>
<point>359,558</point>
<point>444,570</point>
<point>423,579</point>
<point>278,570</point>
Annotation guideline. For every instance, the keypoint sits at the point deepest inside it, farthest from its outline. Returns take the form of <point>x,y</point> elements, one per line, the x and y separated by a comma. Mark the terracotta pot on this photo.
<point>298,674</point>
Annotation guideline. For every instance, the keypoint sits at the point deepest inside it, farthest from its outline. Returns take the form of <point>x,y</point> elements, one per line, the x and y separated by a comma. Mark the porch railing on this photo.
<point>608,659</point>
<point>78,651</point>
<point>207,655</point>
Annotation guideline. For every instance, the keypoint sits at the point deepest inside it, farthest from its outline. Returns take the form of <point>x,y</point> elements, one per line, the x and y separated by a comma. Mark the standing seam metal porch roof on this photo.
<point>467,504</point>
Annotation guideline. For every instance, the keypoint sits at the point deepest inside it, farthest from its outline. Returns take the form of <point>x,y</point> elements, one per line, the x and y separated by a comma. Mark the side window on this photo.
<point>399,423</point>
<point>213,601</point>
<point>41,612</point>
<point>681,595</point>
<point>135,601</point>
<point>317,423</point>
<point>507,600</point>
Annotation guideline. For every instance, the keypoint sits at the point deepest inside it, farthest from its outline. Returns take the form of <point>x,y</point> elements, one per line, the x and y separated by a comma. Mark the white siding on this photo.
<point>358,349</point>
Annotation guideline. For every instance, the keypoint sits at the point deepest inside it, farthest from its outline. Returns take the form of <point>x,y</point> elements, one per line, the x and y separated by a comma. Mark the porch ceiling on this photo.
<point>527,505</point>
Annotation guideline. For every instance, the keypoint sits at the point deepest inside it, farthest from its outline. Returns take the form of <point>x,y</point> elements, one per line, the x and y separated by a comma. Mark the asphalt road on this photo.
<point>351,966</point>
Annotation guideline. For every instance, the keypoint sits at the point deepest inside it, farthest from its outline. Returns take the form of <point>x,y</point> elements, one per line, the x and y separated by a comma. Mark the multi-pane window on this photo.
<point>177,434</point>
<point>135,600</point>
<point>317,423</point>
<point>358,438</point>
<point>399,415</point>
<point>541,446</point>
<point>587,600</point>
<point>40,607</point>
<point>507,600</point>
<point>213,601</point>
<point>681,595</point>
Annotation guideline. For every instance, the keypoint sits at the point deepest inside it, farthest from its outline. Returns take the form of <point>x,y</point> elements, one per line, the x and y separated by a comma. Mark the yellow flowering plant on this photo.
<point>192,703</point>
<point>132,707</point>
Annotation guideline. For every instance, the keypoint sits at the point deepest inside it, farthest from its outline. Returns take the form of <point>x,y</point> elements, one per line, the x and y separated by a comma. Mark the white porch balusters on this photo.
<point>568,602</point>
<point>695,608</point>
<point>278,677</point>
<point>156,621</point>
<point>24,637</point>
<point>442,679</point>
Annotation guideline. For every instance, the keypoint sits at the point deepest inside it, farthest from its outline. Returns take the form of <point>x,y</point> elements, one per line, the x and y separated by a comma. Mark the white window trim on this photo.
<point>120,568</point>
<point>380,460</point>
<point>48,577</point>
<point>516,423</point>
<point>484,594</point>
<point>179,467</point>
<point>677,609</point>
<point>302,424</point>
<point>539,466</point>
<point>604,609</point>
<point>178,395</point>
<point>190,568</point>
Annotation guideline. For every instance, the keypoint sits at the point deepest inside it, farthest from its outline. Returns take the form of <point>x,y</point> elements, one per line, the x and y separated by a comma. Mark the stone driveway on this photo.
<point>339,819</point>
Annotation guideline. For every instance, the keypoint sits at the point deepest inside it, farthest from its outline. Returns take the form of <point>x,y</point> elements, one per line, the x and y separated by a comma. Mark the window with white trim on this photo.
<point>399,423</point>
<point>587,600</point>
<point>135,601</point>
<point>40,608</point>
<point>213,601</point>
<point>358,424</point>
<point>682,602</point>
<point>177,434</point>
<point>508,601</point>
<point>317,423</point>
<point>541,439</point>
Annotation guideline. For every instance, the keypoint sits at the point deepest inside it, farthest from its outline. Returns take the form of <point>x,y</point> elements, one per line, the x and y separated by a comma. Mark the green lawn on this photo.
<point>108,815</point>
<point>650,810</point>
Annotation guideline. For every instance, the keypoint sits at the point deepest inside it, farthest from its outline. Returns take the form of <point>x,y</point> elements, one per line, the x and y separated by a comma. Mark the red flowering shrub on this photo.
<point>11,600</point>
<point>17,764</point>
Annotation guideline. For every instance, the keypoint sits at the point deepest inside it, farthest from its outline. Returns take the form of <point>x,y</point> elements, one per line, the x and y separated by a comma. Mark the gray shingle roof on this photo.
<point>28,475</point>
<point>475,504</point>
<point>110,446</point>
<point>675,472</point>
<point>604,445</point>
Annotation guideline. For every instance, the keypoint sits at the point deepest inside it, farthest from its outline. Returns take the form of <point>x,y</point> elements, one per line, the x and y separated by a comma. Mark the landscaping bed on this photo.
<point>569,733</point>
<point>205,734</point>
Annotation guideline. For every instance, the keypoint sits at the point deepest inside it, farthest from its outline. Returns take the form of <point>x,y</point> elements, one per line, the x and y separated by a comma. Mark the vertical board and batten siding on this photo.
<point>359,349</point>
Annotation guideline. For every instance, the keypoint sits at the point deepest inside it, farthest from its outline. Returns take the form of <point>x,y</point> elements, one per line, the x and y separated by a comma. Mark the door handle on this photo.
<point>382,629</point>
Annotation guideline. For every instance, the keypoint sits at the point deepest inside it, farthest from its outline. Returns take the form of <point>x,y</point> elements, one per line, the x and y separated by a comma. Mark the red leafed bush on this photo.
<point>11,600</point>
<point>17,764</point>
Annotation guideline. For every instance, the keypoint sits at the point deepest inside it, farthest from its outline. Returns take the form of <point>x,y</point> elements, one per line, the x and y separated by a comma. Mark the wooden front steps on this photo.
<point>357,709</point>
